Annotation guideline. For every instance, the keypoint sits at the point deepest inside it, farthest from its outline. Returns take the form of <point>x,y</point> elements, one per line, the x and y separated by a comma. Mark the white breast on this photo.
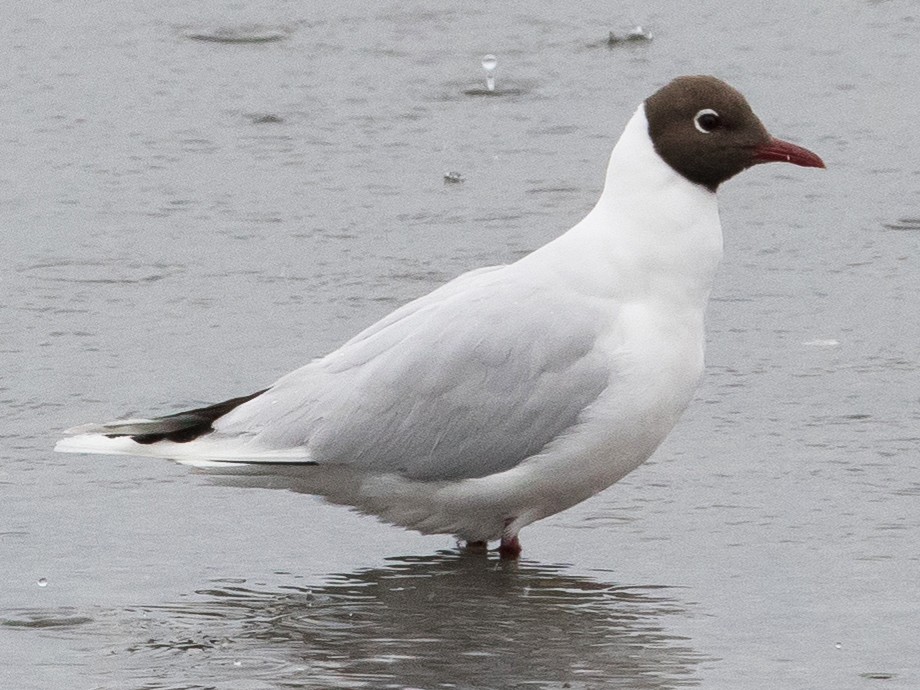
<point>647,253</point>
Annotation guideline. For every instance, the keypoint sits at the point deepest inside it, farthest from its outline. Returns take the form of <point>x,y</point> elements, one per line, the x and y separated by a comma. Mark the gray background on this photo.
<point>163,246</point>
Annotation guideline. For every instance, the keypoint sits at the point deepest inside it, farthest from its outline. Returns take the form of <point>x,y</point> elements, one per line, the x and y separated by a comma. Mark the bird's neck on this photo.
<point>653,235</point>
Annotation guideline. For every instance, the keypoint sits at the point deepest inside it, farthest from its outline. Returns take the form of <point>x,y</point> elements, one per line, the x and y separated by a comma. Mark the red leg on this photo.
<point>510,548</point>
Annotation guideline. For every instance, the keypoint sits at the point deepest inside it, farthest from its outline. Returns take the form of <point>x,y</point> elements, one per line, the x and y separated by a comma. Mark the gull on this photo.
<point>512,392</point>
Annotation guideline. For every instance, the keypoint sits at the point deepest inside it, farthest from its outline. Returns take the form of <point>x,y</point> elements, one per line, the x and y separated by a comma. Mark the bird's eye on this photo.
<point>706,120</point>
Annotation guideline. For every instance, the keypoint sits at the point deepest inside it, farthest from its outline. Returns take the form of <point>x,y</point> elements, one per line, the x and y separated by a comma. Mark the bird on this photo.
<point>512,392</point>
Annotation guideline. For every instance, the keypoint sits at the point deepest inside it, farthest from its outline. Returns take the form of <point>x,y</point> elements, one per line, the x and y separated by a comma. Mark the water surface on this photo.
<point>198,198</point>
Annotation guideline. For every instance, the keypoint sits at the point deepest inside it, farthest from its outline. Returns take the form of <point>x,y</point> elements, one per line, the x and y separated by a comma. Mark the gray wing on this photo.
<point>465,382</point>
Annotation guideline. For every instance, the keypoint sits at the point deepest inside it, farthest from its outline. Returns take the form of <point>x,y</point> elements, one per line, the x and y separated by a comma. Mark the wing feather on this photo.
<point>455,385</point>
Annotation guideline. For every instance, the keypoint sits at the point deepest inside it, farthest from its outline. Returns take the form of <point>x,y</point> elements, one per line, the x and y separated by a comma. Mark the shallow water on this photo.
<point>196,200</point>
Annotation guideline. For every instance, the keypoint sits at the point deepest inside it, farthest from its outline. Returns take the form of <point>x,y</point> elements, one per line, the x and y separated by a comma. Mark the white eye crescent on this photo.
<point>706,120</point>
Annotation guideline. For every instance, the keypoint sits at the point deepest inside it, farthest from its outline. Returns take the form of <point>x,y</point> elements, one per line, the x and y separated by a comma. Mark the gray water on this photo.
<point>198,197</point>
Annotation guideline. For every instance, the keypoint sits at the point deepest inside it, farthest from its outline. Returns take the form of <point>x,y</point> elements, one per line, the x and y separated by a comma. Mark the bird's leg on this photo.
<point>510,547</point>
<point>476,546</point>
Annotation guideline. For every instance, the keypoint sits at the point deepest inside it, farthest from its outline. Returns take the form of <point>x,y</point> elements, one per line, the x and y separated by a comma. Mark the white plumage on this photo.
<point>510,393</point>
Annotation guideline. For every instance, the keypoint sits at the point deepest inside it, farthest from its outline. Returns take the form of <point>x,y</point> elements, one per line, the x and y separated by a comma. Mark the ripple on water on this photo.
<point>101,272</point>
<point>413,622</point>
<point>904,224</point>
<point>248,33</point>
<point>36,619</point>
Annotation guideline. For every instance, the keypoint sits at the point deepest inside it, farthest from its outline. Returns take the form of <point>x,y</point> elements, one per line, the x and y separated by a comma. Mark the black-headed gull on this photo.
<point>512,392</point>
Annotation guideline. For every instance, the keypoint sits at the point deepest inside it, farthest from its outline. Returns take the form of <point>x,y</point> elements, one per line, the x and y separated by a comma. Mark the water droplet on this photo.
<point>838,646</point>
<point>489,63</point>
<point>639,34</point>
<point>42,582</point>
<point>634,35</point>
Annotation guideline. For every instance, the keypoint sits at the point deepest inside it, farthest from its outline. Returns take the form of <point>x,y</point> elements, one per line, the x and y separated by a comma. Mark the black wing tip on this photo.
<point>181,436</point>
<point>196,423</point>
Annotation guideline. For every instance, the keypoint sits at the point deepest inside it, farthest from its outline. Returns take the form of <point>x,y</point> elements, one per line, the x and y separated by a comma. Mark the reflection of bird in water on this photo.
<point>425,622</point>
<point>513,392</point>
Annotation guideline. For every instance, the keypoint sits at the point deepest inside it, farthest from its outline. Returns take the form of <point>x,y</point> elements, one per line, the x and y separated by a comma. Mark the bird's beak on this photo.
<point>777,150</point>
